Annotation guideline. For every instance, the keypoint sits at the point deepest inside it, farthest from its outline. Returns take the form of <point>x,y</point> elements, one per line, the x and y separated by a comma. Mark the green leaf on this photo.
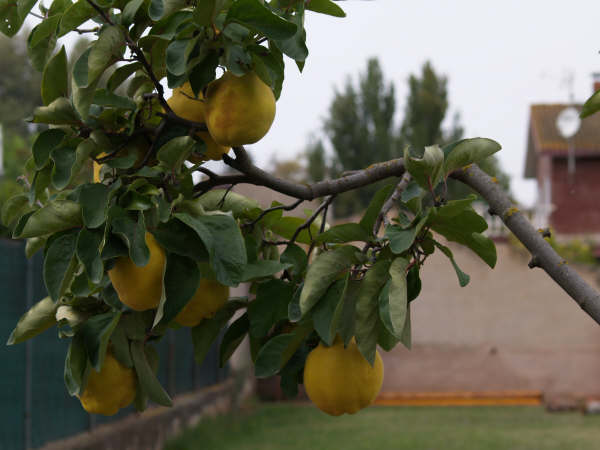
<point>180,284</point>
<point>254,14</point>
<point>468,151</point>
<point>402,239</point>
<point>239,205</point>
<point>463,278</point>
<point>14,207</point>
<point>204,12</point>
<point>120,345</point>
<point>269,307</point>
<point>81,70</point>
<point>38,319</point>
<point>176,237</point>
<point>387,338</point>
<point>121,74</point>
<point>55,78</point>
<point>413,283</point>
<point>104,52</point>
<point>427,171</point>
<point>406,337</point>
<point>96,332</point>
<point>33,245</point>
<point>322,272</point>
<point>204,72</point>
<point>176,57</point>
<point>156,9</point>
<point>325,7</point>
<point>295,46</point>
<point>76,366</point>
<point>59,112</point>
<point>286,227</point>
<point>367,309</point>
<point>146,377</point>
<point>133,235</point>
<point>233,337</point>
<point>224,242</point>
<point>130,10</point>
<point>398,300</point>
<point>346,232</point>
<point>12,16</point>
<point>76,14</point>
<point>41,42</point>
<point>93,198</point>
<point>370,215</point>
<point>295,256</point>
<point>207,331</point>
<point>88,244</point>
<point>57,263</point>
<point>102,97</point>
<point>57,215</point>
<point>465,228</point>
<point>324,311</point>
<point>175,152</point>
<point>591,105</point>
<point>43,145</point>
<point>237,59</point>
<point>262,268</point>
<point>277,351</point>
<point>64,158</point>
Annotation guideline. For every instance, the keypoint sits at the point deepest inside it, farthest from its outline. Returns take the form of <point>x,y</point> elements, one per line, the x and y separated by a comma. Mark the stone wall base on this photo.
<point>149,430</point>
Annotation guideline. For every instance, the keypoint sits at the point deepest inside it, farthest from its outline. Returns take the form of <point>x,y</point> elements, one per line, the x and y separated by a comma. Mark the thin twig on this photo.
<point>311,219</point>
<point>269,210</point>
<point>382,216</point>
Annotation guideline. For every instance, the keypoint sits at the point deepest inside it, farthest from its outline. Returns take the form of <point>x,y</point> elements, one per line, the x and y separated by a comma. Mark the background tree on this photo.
<point>360,128</point>
<point>424,113</point>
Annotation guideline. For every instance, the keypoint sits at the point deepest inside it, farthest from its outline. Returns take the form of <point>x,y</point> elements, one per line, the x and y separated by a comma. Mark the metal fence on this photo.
<point>35,407</point>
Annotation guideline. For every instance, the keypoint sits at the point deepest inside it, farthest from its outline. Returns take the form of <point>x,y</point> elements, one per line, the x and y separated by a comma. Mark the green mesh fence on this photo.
<point>30,418</point>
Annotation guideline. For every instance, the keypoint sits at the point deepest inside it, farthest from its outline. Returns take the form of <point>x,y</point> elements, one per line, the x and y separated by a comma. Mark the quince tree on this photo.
<point>142,248</point>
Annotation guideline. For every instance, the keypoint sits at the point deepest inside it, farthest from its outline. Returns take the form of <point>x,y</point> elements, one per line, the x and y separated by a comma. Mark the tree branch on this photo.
<point>360,178</point>
<point>402,184</point>
<point>543,255</point>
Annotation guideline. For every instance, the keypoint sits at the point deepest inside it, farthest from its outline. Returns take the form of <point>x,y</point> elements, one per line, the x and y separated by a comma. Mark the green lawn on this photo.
<point>303,427</point>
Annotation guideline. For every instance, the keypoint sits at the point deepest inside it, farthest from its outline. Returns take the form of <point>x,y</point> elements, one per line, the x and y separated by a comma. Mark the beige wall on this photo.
<point>510,328</point>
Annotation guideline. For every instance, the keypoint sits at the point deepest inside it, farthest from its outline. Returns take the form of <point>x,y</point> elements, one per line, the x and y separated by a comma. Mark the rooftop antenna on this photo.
<point>568,122</point>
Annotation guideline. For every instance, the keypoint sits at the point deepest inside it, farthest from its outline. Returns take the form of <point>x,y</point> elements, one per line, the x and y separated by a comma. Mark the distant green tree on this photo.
<point>317,169</point>
<point>360,128</point>
<point>425,111</point>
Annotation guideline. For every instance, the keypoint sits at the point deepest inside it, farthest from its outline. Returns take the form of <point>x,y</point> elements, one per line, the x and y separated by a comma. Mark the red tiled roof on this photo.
<point>546,137</point>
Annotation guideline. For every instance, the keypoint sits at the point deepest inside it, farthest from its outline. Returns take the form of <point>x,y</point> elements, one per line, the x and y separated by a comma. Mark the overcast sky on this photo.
<point>499,57</point>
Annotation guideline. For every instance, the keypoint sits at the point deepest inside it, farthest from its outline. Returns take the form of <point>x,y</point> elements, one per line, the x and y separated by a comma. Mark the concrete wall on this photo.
<point>511,328</point>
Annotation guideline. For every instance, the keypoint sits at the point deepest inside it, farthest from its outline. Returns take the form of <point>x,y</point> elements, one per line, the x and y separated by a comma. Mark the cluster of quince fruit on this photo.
<point>236,111</point>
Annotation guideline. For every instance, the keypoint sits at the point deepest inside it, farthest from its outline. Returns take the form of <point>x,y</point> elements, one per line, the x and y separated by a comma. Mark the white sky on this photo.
<point>499,58</point>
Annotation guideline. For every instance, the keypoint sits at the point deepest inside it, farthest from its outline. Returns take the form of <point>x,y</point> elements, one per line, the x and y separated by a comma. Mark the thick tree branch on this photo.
<point>543,255</point>
<point>371,174</point>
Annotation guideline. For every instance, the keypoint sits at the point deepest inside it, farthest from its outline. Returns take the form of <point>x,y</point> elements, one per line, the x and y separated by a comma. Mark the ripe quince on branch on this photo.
<point>186,105</point>
<point>239,110</point>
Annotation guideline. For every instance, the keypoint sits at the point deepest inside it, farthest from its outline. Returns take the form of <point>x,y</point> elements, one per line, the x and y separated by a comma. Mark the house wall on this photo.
<point>576,208</point>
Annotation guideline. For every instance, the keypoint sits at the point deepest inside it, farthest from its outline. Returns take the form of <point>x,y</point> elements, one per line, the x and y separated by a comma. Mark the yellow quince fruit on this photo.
<point>140,288</point>
<point>207,300</point>
<point>339,379</point>
<point>110,389</point>
<point>186,105</point>
<point>239,110</point>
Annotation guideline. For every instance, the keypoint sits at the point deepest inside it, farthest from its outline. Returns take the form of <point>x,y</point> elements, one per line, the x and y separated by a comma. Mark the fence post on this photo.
<point>28,359</point>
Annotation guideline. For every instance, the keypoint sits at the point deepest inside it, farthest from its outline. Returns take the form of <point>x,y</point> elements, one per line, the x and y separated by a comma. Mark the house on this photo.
<point>566,170</point>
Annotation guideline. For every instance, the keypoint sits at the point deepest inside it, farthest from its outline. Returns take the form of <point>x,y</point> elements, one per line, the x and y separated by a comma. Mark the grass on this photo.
<point>302,427</point>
